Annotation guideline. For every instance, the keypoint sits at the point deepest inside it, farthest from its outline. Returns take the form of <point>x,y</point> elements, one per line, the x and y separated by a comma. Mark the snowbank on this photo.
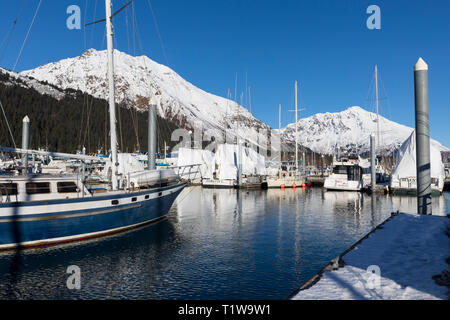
<point>409,250</point>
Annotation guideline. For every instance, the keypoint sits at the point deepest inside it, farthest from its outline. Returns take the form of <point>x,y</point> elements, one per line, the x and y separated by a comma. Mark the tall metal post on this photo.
<point>25,141</point>
<point>279,137</point>
<point>422,138</point>
<point>376,98</point>
<point>112,106</point>
<point>152,134</point>
<point>83,177</point>
<point>372,163</point>
<point>296,129</point>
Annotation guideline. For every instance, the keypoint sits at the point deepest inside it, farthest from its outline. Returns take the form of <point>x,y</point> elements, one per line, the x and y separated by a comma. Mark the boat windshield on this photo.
<point>353,172</point>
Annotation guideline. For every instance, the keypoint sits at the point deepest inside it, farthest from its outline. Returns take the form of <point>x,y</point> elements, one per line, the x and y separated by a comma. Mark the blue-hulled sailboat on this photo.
<point>41,210</point>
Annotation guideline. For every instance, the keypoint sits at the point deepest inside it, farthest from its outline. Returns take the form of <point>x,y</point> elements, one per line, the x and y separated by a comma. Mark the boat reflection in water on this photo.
<point>214,244</point>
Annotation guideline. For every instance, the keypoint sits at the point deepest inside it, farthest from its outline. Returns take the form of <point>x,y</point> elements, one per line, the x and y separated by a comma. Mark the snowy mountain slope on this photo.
<point>350,128</point>
<point>12,78</point>
<point>139,78</point>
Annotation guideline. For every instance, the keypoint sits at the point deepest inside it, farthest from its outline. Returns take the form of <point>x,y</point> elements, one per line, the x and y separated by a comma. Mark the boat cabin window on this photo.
<point>37,187</point>
<point>354,173</point>
<point>340,170</point>
<point>67,187</point>
<point>8,189</point>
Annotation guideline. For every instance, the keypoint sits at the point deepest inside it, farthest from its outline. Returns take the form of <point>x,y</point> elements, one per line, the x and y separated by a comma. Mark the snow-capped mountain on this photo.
<point>12,78</point>
<point>139,78</point>
<point>351,128</point>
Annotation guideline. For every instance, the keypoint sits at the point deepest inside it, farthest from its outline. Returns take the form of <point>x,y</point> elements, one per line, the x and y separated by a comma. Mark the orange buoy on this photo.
<point>303,185</point>
<point>294,186</point>
<point>282,187</point>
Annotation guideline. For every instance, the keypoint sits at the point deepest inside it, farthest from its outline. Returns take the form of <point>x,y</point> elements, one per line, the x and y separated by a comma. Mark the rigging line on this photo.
<point>7,124</point>
<point>157,31</point>
<point>84,29</point>
<point>387,98</point>
<point>11,29</point>
<point>112,16</point>
<point>134,117</point>
<point>93,17</point>
<point>128,28</point>
<point>28,33</point>
<point>133,17</point>
<point>118,107</point>
<point>123,7</point>
<point>82,118</point>
<point>85,93</point>
<point>88,117</point>
<point>138,33</point>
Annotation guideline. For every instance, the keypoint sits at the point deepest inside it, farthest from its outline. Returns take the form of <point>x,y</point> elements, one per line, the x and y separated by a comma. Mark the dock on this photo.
<point>404,258</point>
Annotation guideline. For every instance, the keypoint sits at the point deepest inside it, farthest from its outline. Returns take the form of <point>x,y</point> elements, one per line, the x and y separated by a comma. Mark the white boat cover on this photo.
<point>205,158</point>
<point>127,164</point>
<point>364,163</point>
<point>406,160</point>
<point>226,160</point>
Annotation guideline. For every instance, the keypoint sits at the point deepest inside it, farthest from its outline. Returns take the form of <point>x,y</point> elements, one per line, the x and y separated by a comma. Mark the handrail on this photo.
<point>49,153</point>
<point>190,166</point>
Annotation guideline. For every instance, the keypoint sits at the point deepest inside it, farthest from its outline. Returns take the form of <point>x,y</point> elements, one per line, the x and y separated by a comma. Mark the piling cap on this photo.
<point>152,101</point>
<point>26,119</point>
<point>420,65</point>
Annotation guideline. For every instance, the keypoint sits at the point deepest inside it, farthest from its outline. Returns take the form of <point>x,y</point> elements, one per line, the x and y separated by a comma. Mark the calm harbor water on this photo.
<point>214,244</point>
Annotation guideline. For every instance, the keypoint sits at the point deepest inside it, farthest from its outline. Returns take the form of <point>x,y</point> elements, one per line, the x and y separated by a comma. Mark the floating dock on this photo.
<point>406,257</point>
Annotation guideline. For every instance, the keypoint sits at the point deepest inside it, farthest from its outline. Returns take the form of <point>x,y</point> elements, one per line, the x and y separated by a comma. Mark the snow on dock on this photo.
<point>408,251</point>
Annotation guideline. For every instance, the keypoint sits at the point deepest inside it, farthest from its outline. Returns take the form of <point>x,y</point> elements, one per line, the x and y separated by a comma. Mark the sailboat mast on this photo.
<point>376,98</point>
<point>112,108</point>
<point>296,129</point>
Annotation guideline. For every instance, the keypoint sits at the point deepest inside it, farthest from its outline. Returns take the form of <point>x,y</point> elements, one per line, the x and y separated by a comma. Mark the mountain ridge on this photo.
<point>181,102</point>
<point>351,128</point>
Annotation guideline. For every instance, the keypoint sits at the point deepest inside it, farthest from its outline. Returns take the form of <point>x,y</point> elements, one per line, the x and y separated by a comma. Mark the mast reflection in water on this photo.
<point>215,244</point>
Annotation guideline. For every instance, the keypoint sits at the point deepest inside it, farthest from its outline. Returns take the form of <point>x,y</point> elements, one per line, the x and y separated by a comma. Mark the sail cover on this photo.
<point>226,161</point>
<point>406,159</point>
<point>204,158</point>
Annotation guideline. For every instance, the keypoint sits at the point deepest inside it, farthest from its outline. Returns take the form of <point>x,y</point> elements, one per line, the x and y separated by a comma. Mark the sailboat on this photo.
<point>350,171</point>
<point>41,210</point>
<point>288,175</point>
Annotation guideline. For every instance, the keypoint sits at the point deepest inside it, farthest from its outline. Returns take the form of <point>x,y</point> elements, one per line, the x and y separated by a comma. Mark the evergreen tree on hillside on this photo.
<point>75,121</point>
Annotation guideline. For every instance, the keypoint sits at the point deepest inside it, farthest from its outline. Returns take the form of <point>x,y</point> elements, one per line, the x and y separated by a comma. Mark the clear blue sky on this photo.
<point>324,44</point>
